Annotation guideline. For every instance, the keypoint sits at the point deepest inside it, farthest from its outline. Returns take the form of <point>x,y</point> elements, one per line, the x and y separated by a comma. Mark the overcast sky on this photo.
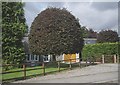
<point>95,15</point>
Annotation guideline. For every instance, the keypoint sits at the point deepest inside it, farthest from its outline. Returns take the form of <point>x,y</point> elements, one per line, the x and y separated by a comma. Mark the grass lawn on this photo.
<point>28,73</point>
<point>49,68</point>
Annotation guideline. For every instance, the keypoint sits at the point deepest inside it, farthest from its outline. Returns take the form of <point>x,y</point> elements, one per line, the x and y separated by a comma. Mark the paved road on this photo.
<point>101,73</point>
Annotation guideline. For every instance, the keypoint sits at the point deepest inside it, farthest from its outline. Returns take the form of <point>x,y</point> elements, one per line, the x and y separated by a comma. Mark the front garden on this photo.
<point>92,51</point>
<point>50,67</point>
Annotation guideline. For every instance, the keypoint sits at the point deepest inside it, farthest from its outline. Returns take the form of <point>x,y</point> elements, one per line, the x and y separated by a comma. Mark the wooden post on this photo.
<point>59,66</point>
<point>24,68</point>
<point>103,59</point>
<point>70,65</point>
<point>86,62</point>
<point>115,59</point>
<point>79,63</point>
<point>43,65</point>
<point>93,58</point>
<point>90,60</point>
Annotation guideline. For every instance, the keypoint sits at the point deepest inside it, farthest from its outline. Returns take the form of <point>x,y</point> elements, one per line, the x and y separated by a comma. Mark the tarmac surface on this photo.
<point>101,73</point>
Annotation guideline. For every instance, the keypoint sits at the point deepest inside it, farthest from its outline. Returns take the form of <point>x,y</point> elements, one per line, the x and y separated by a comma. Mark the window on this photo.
<point>27,57</point>
<point>35,57</point>
<point>45,58</point>
<point>32,57</point>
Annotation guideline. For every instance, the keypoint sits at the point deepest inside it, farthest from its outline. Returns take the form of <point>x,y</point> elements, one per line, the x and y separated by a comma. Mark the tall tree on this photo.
<point>107,36</point>
<point>92,33</point>
<point>13,30</point>
<point>88,33</point>
<point>55,31</point>
<point>84,31</point>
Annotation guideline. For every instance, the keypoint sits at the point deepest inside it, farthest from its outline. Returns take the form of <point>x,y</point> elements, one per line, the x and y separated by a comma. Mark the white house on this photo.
<point>90,40</point>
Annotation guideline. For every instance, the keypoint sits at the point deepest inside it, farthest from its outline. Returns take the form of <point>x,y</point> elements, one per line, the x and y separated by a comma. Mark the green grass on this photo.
<point>28,73</point>
<point>16,69</point>
<point>50,67</point>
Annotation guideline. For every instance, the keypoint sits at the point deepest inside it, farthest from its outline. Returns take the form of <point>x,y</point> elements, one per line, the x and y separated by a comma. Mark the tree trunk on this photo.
<point>80,56</point>
<point>54,57</point>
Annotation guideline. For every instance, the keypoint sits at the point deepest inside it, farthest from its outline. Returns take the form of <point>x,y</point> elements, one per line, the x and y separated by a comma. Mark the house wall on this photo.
<point>37,58</point>
<point>59,57</point>
<point>31,57</point>
<point>77,56</point>
<point>90,40</point>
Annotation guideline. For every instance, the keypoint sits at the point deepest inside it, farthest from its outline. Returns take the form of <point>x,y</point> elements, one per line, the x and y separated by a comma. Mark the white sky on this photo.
<point>95,15</point>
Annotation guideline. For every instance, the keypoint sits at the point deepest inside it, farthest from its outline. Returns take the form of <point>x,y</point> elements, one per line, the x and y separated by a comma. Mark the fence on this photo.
<point>87,62</point>
<point>110,58</point>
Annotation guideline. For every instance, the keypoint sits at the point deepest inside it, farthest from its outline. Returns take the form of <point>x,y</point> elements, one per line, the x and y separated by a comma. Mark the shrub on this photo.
<point>99,49</point>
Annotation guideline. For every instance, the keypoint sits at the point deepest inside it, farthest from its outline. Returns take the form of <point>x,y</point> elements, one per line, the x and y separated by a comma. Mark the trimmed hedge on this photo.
<point>98,49</point>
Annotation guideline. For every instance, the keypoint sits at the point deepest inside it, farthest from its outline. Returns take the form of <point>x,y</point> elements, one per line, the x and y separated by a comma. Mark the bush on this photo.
<point>96,50</point>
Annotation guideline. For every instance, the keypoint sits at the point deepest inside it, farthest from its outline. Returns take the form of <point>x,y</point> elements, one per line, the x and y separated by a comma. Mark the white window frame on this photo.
<point>36,58</point>
<point>45,58</point>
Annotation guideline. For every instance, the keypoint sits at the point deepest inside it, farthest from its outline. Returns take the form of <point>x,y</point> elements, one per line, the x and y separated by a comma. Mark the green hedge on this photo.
<point>99,49</point>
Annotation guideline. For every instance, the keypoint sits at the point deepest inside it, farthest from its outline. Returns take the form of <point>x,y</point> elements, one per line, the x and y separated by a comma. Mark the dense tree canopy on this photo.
<point>88,33</point>
<point>92,33</point>
<point>13,29</point>
<point>55,31</point>
<point>84,32</point>
<point>107,36</point>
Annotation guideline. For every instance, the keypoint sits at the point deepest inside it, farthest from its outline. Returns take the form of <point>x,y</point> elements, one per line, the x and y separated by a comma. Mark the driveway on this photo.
<point>101,73</point>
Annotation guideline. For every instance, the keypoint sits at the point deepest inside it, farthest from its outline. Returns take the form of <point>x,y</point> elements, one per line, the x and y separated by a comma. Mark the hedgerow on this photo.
<point>99,49</point>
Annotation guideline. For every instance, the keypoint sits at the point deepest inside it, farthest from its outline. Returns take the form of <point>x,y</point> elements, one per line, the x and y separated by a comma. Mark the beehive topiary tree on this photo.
<point>55,31</point>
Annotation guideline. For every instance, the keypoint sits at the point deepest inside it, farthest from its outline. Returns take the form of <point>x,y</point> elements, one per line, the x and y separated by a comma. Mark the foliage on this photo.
<point>119,48</point>
<point>107,36</point>
<point>55,31</point>
<point>13,30</point>
<point>100,49</point>
<point>88,33</point>
<point>84,31</point>
<point>92,34</point>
